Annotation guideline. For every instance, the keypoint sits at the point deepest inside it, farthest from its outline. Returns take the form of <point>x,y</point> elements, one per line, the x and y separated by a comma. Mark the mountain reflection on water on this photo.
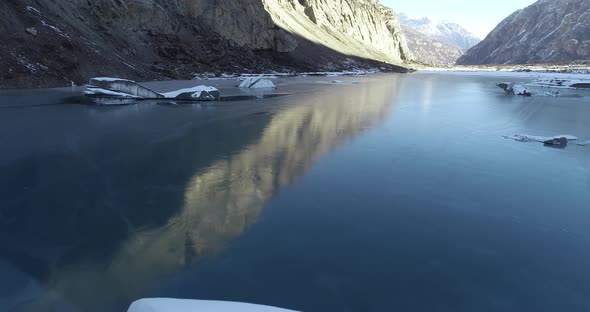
<point>95,225</point>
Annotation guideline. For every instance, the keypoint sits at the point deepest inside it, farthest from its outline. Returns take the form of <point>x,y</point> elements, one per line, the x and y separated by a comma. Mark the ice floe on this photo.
<point>257,83</point>
<point>541,139</point>
<point>198,92</point>
<point>185,305</point>
<point>109,91</point>
<point>99,91</point>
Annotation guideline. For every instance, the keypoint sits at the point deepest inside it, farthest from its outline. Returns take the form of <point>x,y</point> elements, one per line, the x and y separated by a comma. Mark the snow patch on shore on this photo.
<point>185,305</point>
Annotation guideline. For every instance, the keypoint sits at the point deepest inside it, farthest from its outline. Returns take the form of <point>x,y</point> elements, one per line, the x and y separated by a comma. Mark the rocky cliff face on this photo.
<point>50,43</point>
<point>549,31</point>
<point>428,51</point>
<point>363,28</point>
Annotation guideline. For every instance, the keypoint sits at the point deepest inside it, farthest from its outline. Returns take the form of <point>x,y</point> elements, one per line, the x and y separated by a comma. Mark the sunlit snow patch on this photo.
<point>183,305</point>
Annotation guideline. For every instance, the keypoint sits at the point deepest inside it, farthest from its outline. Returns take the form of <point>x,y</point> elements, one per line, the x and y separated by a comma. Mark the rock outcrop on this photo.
<point>549,31</point>
<point>52,43</point>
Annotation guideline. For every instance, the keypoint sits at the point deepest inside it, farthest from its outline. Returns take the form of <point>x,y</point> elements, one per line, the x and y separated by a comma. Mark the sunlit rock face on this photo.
<point>56,43</point>
<point>549,31</point>
<point>355,27</point>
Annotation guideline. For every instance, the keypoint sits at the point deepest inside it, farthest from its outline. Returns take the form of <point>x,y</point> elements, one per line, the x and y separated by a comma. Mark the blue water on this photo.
<point>398,193</point>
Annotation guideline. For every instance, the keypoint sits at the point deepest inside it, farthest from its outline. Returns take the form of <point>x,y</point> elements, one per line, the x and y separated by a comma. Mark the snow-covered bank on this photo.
<point>185,305</point>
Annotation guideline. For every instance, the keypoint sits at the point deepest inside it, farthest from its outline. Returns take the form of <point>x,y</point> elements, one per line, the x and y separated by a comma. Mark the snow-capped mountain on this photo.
<point>446,32</point>
<point>549,31</point>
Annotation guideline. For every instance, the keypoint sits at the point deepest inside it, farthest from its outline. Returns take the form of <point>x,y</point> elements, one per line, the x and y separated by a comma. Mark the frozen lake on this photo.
<point>392,193</point>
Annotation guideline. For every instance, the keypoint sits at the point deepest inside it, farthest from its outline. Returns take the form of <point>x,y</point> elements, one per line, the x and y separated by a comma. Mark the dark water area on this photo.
<point>395,192</point>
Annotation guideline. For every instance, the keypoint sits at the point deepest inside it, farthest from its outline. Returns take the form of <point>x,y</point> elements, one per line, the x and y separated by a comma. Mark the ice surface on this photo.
<point>257,83</point>
<point>587,143</point>
<point>195,90</point>
<point>184,305</point>
<point>535,138</point>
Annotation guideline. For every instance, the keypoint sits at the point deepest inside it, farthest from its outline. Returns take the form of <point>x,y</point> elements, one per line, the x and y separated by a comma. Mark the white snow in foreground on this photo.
<point>534,138</point>
<point>196,91</point>
<point>109,79</point>
<point>100,91</point>
<point>257,83</point>
<point>184,305</point>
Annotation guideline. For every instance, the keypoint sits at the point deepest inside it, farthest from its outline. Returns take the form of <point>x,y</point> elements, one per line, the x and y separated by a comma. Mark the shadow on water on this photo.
<point>95,224</point>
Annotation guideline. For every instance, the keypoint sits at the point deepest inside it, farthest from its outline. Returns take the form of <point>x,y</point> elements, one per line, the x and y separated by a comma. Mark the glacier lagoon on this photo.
<point>376,193</point>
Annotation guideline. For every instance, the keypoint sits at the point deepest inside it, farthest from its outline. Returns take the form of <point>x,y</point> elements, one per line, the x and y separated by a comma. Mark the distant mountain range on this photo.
<point>549,31</point>
<point>428,51</point>
<point>436,43</point>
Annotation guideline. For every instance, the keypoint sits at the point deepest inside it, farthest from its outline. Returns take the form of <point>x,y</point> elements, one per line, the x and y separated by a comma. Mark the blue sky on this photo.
<point>477,16</point>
